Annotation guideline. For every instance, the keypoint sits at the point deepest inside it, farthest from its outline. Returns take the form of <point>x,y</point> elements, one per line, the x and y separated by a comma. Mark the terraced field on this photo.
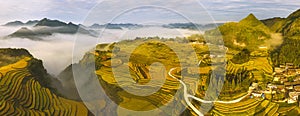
<point>257,107</point>
<point>163,96</point>
<point>21,95</point>
<point>261,64</point>
<point>246,107</point>
<point>260,68</point>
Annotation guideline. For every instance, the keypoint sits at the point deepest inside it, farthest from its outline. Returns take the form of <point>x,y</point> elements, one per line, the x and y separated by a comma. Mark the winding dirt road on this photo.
<point>187,96</point>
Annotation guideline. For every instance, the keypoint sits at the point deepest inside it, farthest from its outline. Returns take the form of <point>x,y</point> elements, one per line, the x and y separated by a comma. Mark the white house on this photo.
<point>256,94</point>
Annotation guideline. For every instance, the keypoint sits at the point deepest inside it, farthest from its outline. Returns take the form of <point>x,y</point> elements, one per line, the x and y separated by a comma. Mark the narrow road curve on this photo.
<point>187,96</point>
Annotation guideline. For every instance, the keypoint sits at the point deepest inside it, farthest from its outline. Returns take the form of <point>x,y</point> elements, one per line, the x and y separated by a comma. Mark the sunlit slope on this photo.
<point>249,33</point>
<point>256,107</point>
<point>21,94</point>
<point>288,52</point>
<point>137,71</point>
<point>246,107</point>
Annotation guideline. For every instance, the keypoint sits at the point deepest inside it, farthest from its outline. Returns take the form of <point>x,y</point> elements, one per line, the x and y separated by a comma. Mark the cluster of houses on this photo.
<point>286,82</point>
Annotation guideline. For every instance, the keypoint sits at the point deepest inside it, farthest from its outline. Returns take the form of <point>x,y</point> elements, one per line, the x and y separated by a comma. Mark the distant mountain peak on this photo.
<point>50,23</point>
<point>24,30</point>
<point>31,22</point>
<point>14,23</point>
<point>60,27</point>
<point>251,15</point>
<point>20,23</point>
<point>72,24</point>
<point>250,19</point>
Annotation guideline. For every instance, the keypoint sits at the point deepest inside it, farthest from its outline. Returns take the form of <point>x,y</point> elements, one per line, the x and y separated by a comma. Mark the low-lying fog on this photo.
<point>56,51</point>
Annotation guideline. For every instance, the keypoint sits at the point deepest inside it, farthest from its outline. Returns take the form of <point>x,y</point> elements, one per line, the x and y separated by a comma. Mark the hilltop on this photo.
<point>248,33</point>
<point>35,66</point>
<point>9,56</point>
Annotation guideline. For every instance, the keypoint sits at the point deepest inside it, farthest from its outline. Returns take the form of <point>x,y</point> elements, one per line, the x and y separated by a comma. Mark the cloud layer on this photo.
<point>57,51</point>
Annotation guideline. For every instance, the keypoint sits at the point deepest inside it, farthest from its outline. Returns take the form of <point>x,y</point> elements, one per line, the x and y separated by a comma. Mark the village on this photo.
<point>285,86</point>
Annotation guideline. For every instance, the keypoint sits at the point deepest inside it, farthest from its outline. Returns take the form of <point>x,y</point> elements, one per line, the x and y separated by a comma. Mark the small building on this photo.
<point>297,78</point>
<point>298,71</point>
<point>257,95</point>
<point>220,56</point>
<point>290,101</point>
<point>254,85</point>
<point>297,88</point>
<point>280,87</point>
<point>282,67</point>
<point>270,92</point>
<point>290,65</point>
<point>263,47</point>
<point>291,72</point>
<point>289,87</point>
<point>278,70</point>
<point>294,96</point>
<point>284,80</point>
<point>198,43</point>
<point>212,56</point>
<point>272,86</point>
<point>276,79</point>
<point>263,95</point>
<point>292,83</point>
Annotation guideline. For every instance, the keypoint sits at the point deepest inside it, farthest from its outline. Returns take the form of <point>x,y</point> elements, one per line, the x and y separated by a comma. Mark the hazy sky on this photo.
<point>103,10</point>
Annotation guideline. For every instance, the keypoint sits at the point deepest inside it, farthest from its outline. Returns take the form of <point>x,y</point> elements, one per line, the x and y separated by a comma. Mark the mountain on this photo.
<point>52,23</point>
<point>272,21</point>
<point>96,26</point>
<point>24,32</point>
<point>14,23</point>
<point>287,26</point>
<point>31,22</point>
<point>294,15</point>
<point>35,66</point>
<point>69,87</point>
<point>47,27</point>
<point>55,26</point>
<point>19,23</point>
<point>288,52</point>
<point>291,26</point>
<point>191,26</point>
<point>26,88</point>
<point>248,33</point>
<point>116,26</point>
<point>10,56</point>
<point>250,20</point>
